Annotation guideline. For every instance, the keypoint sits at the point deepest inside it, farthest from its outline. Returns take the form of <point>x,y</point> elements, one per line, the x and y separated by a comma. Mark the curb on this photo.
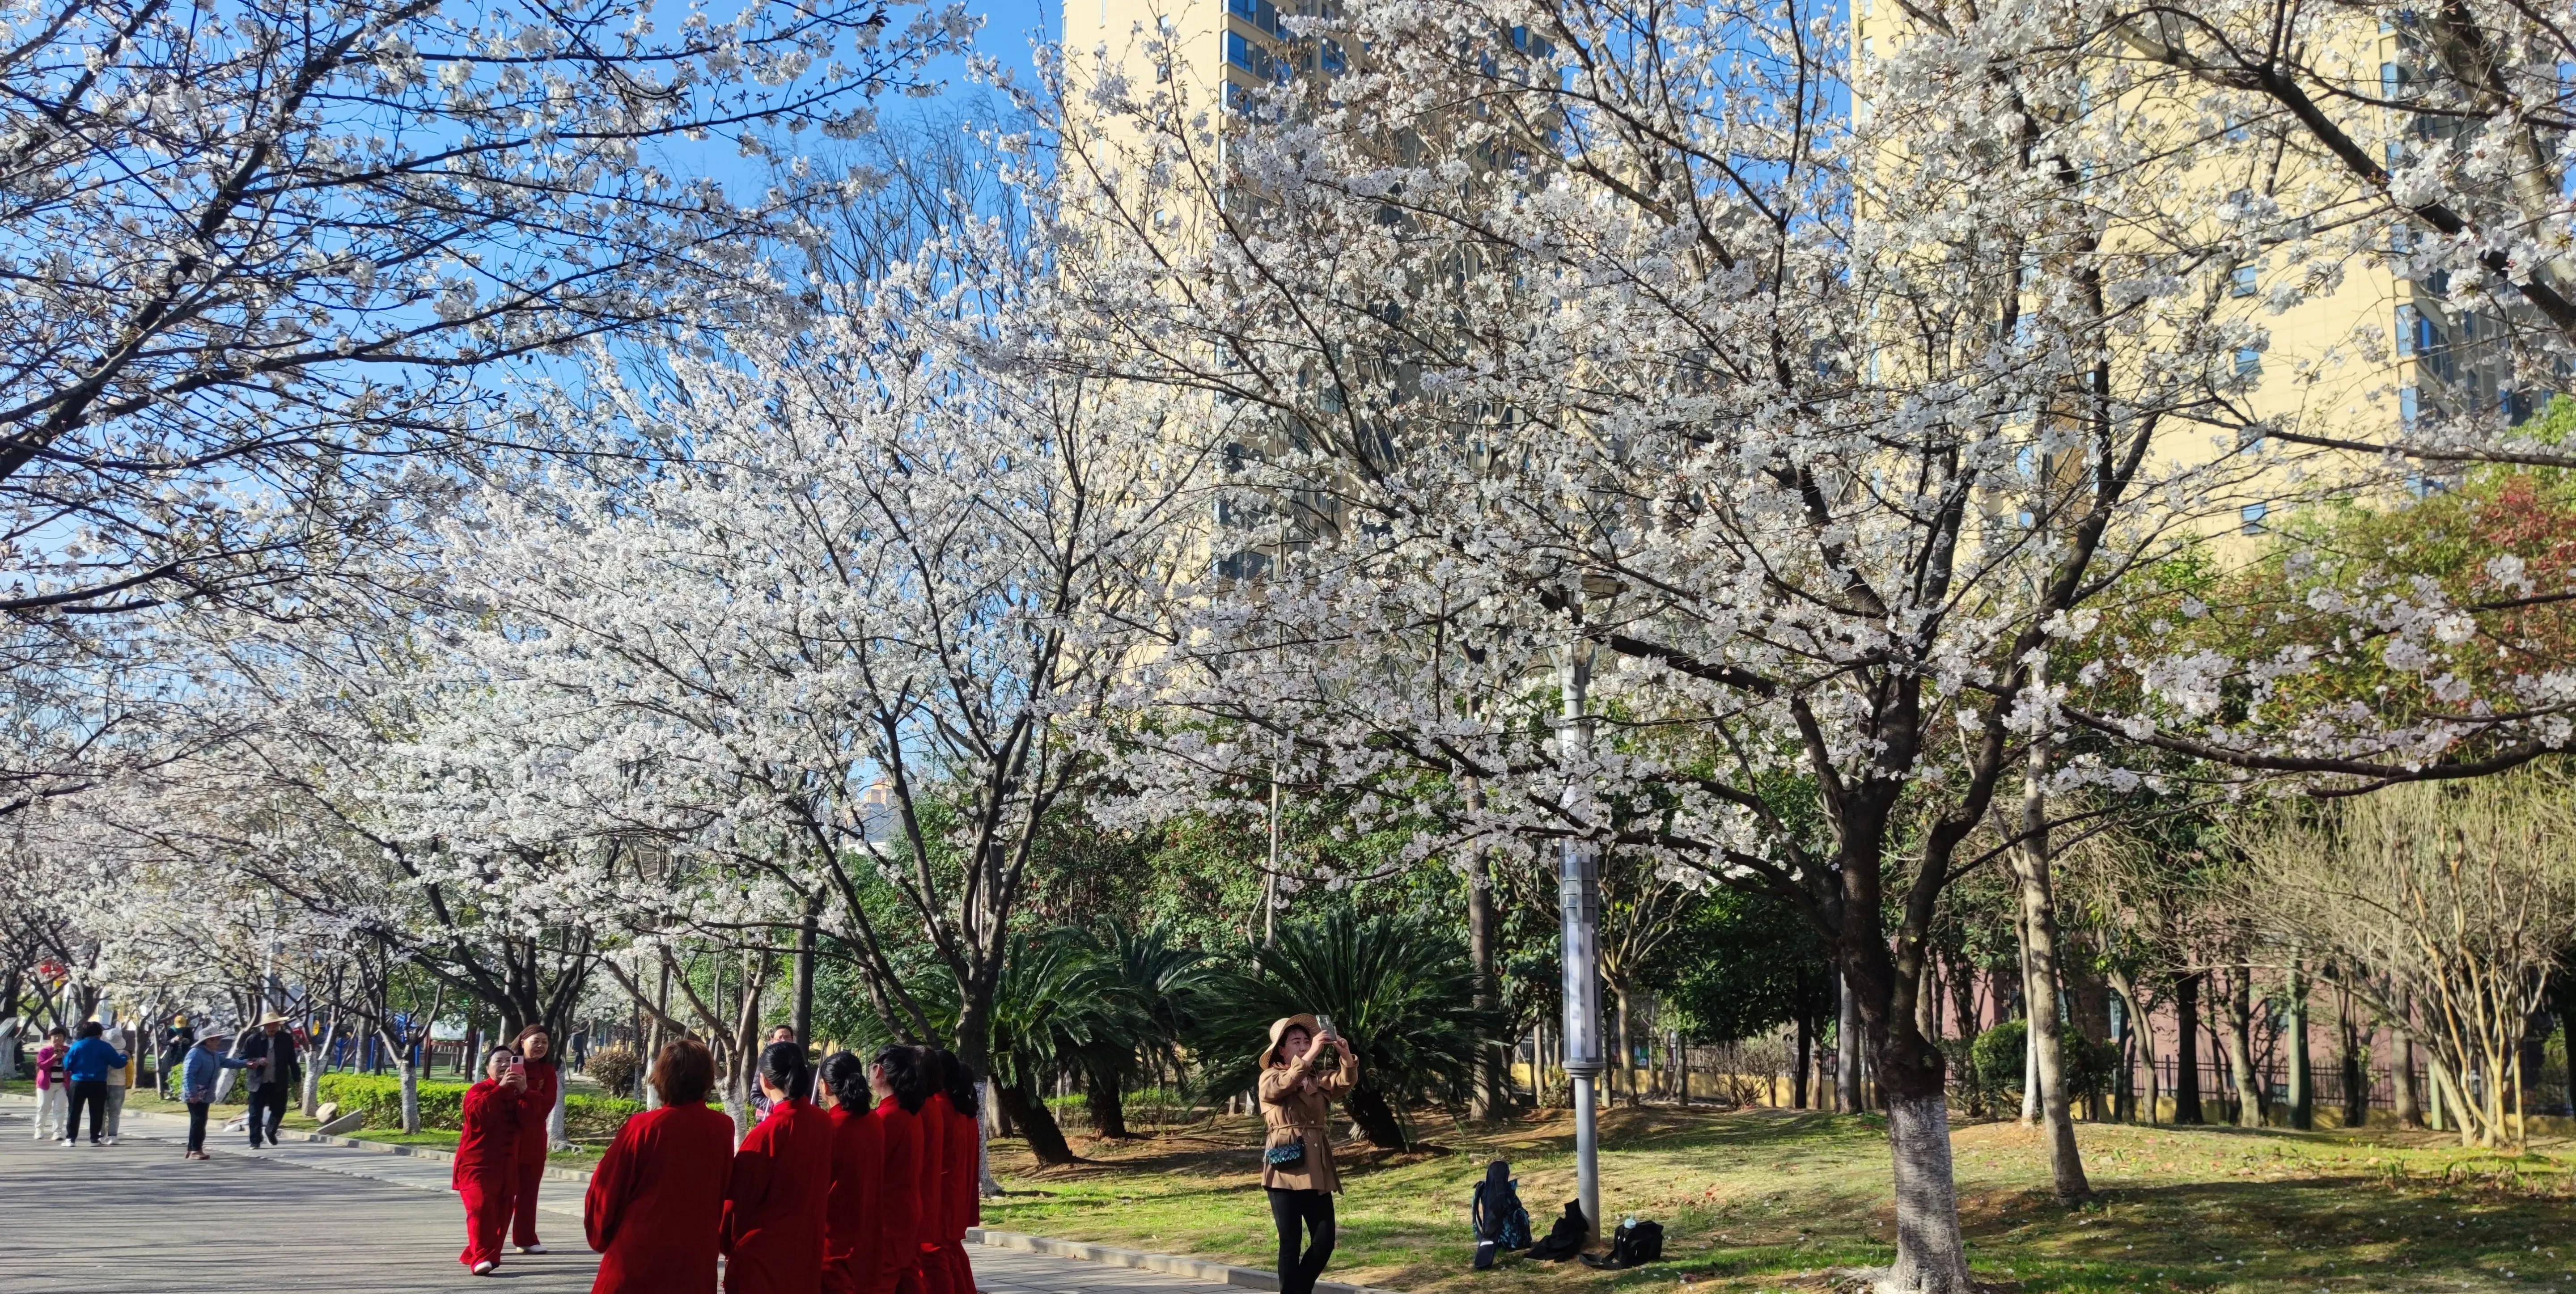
<point>1201,1269</point>
<point>314,1138</point>
<point>552,1173</point>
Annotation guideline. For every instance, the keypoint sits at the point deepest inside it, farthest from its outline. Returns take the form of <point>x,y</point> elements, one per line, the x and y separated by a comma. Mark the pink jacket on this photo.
<point>47,1057</point>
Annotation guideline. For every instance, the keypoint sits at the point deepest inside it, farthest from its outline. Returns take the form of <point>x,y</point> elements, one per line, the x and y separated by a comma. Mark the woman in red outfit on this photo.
<point>782,1179</point>
<point>536,1131</point>
<point>487,1158</point>
<point>932,1226</point>
<point>858,1168</point>
<point>961,1183</point>
<point>893,1262</point>
<point>657,1202</point>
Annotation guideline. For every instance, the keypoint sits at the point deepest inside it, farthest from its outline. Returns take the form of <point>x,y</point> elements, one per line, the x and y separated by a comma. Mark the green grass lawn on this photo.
<point>1767,1200</point>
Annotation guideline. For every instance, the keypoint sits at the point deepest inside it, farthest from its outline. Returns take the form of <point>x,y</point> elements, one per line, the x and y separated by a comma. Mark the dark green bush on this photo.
<point>442,1105</point>
<point>2090,1065</point>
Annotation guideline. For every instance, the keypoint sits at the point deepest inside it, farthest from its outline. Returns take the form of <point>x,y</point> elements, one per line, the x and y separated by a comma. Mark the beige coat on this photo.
<point>1291,1113</point>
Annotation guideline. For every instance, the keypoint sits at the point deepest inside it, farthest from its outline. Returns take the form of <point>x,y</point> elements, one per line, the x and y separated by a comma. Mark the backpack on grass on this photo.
<point>1565,1239</point>
<point>1634,1244</point>
<point>1502,1225</point>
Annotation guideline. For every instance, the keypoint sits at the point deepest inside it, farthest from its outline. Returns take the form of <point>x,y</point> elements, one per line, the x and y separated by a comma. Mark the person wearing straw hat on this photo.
<point>1297,1091</point>
<point>197,1085</point>
<point>275,1070</point>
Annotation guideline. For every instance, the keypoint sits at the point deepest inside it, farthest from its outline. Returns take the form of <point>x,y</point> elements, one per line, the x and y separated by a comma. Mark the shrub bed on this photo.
<point>442,1105</point>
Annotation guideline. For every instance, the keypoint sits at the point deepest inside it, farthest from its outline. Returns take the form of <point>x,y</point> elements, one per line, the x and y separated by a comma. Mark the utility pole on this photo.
<point>1579,903</point>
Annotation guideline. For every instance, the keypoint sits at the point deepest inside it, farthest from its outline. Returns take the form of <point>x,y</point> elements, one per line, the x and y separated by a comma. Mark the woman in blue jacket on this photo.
<point>197,1086</point>
<point>86,1065</point>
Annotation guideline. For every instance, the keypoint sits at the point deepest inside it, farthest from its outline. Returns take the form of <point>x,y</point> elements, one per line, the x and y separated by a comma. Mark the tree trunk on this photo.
<point>2187,1048</point>
<point>1847,1052</point>
<point>1036,1122</point>
<point>2402,1095</point>
<point>2303,1097</point>
<point>1378,1122</point>
<point>408,1079</point>
<point>312,1095</point>
<point>1105,1098</point>
<point>2240,1050</point>
<point>1931,1258</point>
<point>1681,1068</point>
<point>1485,1095</point>
<point>2040,979</point>
<point>1625,1076</point>
<point>2353,1064</point>
<point>802,1017</point>
<point>1806,1043</point>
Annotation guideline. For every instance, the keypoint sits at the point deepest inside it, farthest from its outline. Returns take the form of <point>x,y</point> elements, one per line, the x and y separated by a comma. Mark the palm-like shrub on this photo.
<point>1398,987</point>
<point>1158,987</point>
<point>1057,998</point>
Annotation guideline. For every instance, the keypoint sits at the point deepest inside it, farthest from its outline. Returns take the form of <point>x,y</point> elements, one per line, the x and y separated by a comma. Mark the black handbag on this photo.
<point>1287,1156</point>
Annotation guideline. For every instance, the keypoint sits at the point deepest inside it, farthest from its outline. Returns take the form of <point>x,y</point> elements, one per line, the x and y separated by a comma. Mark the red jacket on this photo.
<point>849,1220</point>
<point>964,1180</point>
<point>932,1227</point>
<point>488,1147</point>
<point>537,1110</point>
<point>657,1201</point>
<point>898,1199</point>
<point>773,1215</point>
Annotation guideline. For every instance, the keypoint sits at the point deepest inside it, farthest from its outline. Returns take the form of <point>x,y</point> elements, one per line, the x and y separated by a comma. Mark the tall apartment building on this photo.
<point>2361,357</point>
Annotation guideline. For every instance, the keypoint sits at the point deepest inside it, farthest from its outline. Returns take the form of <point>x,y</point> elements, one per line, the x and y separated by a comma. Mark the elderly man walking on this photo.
<point>275,1071</point>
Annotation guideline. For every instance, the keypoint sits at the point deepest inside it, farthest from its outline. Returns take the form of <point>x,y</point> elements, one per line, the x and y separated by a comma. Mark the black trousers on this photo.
<point>92,1094</point>
<point>197,1125</point>
<point>1314,1211</point>
<point>267,1110</point>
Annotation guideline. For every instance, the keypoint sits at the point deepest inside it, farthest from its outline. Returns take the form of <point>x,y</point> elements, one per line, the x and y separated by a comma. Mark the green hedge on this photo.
<point>442,1105</point>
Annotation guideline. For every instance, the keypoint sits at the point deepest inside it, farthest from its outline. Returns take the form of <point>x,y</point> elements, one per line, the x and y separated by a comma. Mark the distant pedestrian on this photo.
<point>118,1079</point>
<point>580,1049</point>
<point>275,1072</point>
<point>536,1131</point>
<point>486,1172</point>
<point>177,1038</point>
<point>782,1180</point>
<point>655,1210</point>
<point>760,1100</point>
<point>196,1085</point>
<point>53,1092</point>
<point>1297,1145</point>
<point>86,1065</point>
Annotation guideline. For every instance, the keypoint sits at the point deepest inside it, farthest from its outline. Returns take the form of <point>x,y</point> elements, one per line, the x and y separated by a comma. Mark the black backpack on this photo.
<point>1565,1239</point>
<point>1502,1224</point>
<point>1635,1243</point>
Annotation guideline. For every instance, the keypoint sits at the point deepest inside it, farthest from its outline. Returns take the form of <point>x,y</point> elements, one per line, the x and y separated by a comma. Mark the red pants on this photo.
<point>523,1219</point>
<point>487,1218</point>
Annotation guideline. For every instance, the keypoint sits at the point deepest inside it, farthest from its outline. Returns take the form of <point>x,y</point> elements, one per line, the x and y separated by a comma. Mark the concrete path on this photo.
<point>135,1218</point>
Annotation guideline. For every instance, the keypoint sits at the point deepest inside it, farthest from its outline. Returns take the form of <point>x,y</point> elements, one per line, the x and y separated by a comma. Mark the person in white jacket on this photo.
<point>117,1081</point>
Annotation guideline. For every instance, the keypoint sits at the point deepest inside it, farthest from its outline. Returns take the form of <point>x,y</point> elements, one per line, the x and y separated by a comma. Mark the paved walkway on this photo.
<point>135,1218</point>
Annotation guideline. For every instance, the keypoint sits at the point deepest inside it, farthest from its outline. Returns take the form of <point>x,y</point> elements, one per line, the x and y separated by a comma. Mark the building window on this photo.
<point>2249,362</point>
<point>2249,519</point>
<point>2407,406</point>
<point>1260,13</point>
<point>1247,55</point>
<point>2241,283</point>
<point>2407,320</point>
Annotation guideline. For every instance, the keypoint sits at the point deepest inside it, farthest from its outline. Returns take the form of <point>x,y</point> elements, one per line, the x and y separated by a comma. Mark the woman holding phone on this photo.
<point>536,1048</point>
<point>1297,1170</point>
<point>486,1172</point>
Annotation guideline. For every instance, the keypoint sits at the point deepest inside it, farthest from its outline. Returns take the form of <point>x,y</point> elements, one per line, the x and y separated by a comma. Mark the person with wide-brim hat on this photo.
<point>1297,1170</point>
<point>197,1085</point>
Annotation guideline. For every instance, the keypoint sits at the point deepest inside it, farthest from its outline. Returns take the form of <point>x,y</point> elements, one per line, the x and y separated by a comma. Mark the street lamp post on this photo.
<point>1579,903</point>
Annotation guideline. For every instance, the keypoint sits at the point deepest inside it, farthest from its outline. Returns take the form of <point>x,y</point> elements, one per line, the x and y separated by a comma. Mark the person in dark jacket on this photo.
<point>486,1173</point>
<point>196,1086</point>
<point>275,1072</point>
<point>176,1041</point>
<point>656,1205</point>
<point>85,1067</point>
